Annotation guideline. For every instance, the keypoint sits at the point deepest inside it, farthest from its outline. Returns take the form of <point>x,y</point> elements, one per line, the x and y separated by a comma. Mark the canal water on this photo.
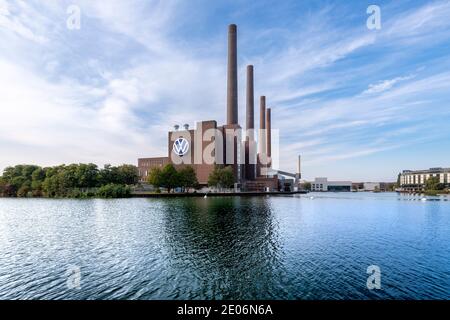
<point>315,246</point>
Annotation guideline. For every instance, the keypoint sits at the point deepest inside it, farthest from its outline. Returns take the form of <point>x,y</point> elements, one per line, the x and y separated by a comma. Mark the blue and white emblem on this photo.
<point>181,147</point>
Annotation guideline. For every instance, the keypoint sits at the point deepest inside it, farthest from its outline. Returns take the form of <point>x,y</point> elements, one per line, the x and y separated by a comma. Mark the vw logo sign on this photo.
<point>181,147</point>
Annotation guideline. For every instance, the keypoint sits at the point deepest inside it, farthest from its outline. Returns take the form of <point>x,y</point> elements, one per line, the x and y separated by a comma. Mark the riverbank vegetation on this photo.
<point>433,187</point>
<point>170,178</point>
<point>68,181</point>
<point>221,177</point>
<point>185,179</point>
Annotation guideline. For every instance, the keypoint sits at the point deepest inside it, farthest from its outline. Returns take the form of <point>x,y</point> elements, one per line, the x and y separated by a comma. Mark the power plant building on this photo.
<point>226,144</point>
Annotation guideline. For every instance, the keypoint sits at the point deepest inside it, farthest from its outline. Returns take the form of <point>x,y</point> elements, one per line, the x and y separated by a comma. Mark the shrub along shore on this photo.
<point>68,181</point>
<point>82,181</point>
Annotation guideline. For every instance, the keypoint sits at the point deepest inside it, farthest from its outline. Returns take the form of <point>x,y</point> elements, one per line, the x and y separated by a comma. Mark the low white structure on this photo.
<point>322,184</point>
<point>372,186</point>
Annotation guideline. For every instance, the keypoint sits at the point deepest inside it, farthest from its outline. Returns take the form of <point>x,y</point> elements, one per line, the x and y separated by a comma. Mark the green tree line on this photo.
<point>433,186</point>
<point>170,178</point>
<point>185,178</point>
<point>221,177</point>
<point>68,181</point>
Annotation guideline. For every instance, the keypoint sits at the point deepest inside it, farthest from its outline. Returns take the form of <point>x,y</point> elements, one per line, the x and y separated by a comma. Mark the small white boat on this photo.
<point>423,199</point>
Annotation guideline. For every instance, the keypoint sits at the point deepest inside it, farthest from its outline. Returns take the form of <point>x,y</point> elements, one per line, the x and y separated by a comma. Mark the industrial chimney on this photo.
<point>268,131</point>
<point>250,123</point>
<point>262,126</point>
<point>232,90</point>
<point>250,144</point>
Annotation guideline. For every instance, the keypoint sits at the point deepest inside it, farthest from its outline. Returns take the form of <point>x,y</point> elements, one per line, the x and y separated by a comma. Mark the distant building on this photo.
<point>371,186</point>
<point>358,186</point>
<point>147,164</point>
<point>322,184</point>
<point>415,180</point>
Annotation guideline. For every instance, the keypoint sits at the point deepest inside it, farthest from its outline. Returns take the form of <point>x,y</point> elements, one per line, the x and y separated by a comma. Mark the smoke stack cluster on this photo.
<point>265,124</point>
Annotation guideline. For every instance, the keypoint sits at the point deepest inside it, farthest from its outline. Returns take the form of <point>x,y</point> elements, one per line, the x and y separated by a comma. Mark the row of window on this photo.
<point>421,178</point>
<point>150,163</point>
<point>317,186</point>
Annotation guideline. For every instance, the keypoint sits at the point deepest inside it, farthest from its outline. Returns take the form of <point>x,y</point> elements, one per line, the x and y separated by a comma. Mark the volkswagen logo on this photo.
<point>181,147</point>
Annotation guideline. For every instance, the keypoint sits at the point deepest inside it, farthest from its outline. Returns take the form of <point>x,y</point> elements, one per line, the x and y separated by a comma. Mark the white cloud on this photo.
<point>385,85</point>
<point>115,111</point>
<point>16,24</point>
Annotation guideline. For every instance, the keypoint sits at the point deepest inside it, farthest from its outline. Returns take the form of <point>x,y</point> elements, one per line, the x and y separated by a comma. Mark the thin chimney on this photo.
<point>232,91</point>
<point>250,144</point>
<point>269,133</point>
<point>262,126</point>
<point>250,125</point>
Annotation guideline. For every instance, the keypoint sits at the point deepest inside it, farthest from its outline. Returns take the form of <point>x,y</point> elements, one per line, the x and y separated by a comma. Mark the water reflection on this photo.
<point>209,239</point>
<point>226,248</point>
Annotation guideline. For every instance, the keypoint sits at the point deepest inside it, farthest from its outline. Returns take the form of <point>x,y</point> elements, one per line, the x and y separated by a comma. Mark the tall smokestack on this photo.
<point>250,144</point>
<point>269,133</point>
<point>232,91</point>
<point>250,125</point>
<point>262,126</point>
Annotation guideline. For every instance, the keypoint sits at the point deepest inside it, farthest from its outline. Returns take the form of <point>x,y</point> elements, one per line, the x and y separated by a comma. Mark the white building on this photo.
<point>415,180</point>
<point>322,184</point>
<point>372,186</point>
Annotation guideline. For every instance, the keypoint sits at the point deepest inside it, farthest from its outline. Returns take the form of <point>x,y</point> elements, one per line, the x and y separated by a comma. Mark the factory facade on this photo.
<point>248,152</point>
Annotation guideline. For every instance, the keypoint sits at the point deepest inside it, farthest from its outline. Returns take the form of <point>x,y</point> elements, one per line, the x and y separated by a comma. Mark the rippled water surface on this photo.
<point>310,247</point>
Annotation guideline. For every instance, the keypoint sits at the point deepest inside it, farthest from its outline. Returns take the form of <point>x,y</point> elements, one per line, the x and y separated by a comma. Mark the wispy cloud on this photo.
<point>385,85</point>
<point>110,91</point>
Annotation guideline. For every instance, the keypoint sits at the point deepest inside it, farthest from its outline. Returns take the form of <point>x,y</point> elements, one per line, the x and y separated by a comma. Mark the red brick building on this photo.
<point>209,144</point>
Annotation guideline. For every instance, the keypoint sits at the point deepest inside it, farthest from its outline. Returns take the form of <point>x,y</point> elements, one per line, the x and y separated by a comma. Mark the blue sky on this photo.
<point>357,104</point>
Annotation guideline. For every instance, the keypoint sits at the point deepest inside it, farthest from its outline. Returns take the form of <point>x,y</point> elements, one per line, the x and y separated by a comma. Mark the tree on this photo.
<point>128,174</point>
<point>108,174</point>
<point>38,174</point>
<point>214,177</point>
<point>188,177</point>
<point>221,177</point>
<point>433,183</point>
<point>170,177</point>
<point>23,191</point>
<point>227,177</point>
<point>74,180</point>
<point>110,191</point>
<point>2,187</point>
<point>155,177</point>
<point>307,186</point>
<point>85,175</point>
